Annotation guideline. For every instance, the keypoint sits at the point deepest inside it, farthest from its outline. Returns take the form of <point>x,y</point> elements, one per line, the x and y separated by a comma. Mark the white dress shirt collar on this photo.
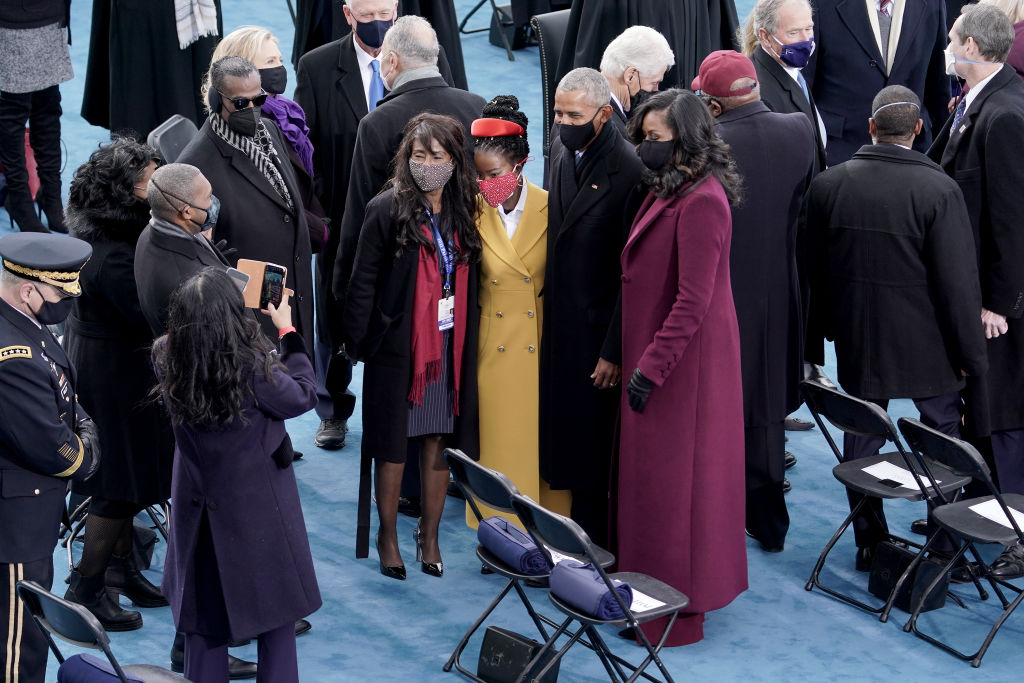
<point>512,218</point>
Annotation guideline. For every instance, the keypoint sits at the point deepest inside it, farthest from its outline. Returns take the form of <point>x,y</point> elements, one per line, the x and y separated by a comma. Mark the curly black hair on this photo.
<point>698,149</point>
<point>108,178</point>
<point>211,349</point>
<point>514,148</point>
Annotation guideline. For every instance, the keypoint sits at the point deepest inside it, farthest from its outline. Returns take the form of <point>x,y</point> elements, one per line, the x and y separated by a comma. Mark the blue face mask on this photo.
<point>372,32</point>
<point>796,54</point>
<point>211,214</point>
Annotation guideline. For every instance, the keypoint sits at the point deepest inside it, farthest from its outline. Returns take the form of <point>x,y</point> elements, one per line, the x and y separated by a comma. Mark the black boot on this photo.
<point>23,210</point>
<point>91,593</point>
<point>124,577</point>
<point>238,669</point>
<point>14,112</point>
<point>44,136</point>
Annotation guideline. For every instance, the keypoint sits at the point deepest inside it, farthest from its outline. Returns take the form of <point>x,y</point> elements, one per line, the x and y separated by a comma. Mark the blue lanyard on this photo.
<point>446,259</point>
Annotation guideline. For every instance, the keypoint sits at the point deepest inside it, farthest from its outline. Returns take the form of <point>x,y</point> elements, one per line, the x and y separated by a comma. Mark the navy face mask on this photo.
<point>372,32</point>
<point>796,54</point>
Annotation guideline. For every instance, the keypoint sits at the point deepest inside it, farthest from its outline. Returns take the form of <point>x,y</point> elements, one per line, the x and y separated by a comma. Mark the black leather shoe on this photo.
<point>919,526</point>
<point>331,434</point>
<point>965,572</point>
<point>1009,565</point>
<point>409,506</point>
<point>302,626</point>
<point>122,577</point>
<point>238,669</point>
<point>767,547</point>
<point>786,486</point>
<point>628,633</point>
<point>790,460</point>
<point>92,593</point>
<point>296,455</point>
<point>795,424</point>
<point>392,572</point>
<point>865,556</point>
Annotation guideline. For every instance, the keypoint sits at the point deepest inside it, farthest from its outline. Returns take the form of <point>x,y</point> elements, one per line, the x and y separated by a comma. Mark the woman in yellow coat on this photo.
<point>513,227</point>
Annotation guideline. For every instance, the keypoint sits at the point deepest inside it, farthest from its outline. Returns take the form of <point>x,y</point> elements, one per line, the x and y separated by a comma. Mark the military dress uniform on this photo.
<point>39,447</point>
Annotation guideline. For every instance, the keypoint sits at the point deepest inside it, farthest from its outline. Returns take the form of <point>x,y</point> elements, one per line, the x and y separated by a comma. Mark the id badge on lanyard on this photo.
<point>446,263</point>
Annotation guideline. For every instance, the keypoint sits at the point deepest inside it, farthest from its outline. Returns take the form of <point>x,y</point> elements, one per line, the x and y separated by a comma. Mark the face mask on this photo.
<point>372,32</point>
<point>433,177</point>
<point>53,312</point>
<point>243,121</point>
<point>274,80</point>
<point>656,153</point>
<point>575,137</point>
<point>950,62</point>
<point>796,54</point>
<point>211,214</point>
<point>639,98</point>
<point>497,190</point>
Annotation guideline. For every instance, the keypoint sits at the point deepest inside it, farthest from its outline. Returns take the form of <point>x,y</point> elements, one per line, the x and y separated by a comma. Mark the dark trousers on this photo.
<point>41,110</point>
<point>335,401</point>
<point>767,517</point>
<point>206,658</point>
<point>941,413</point>
<point>1008,453</point>
<point>590,510</point>
<point>23,650</point>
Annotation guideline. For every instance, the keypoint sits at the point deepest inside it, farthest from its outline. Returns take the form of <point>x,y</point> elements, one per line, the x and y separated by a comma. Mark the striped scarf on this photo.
<point>193,20</point>
<point>259,149</point>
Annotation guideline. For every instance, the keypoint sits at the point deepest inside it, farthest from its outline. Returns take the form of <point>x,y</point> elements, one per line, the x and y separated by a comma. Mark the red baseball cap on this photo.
<point>719,71</point>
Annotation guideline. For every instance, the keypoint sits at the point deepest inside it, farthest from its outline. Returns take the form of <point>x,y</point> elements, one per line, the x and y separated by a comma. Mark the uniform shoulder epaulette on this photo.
<point>8,352</point>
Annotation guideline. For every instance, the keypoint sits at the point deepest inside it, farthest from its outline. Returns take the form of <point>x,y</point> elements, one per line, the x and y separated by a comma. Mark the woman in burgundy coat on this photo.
<point>681,491</point>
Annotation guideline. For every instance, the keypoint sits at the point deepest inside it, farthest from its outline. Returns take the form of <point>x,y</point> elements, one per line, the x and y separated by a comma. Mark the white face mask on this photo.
<point>950,62</point>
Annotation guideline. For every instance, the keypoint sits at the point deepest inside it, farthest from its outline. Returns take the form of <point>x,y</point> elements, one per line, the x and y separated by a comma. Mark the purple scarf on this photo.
<point>292,121</point>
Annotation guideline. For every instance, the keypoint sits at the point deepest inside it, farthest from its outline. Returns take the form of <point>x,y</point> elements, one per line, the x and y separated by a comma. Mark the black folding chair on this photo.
<point>481,485</point>
<point>172,136</point>
<point>555,532</point>
<point>862,418</point>
<point>74,521</point>
<point>74,624</point>
<point>962,520</point>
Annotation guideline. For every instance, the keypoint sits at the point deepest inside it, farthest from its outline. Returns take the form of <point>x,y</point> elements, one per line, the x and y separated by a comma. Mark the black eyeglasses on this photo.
<point>243,102</point>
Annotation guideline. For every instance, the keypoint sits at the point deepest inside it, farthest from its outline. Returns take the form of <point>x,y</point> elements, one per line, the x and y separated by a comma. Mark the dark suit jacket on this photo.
<point>901,301</point>
<point>255,220</point>
<point>162,263</point>
<point>847,70</point>
<point>784,95</point>
<point>587,229</point>
<point>379,135</point>
<point>983,156</point>
<point>619,119</point>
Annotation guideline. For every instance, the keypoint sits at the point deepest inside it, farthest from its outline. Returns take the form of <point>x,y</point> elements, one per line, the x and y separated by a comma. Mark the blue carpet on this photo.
<point>375,629</point>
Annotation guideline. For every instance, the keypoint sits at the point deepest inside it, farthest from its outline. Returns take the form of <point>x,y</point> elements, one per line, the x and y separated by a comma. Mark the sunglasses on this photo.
<point>243,102</point>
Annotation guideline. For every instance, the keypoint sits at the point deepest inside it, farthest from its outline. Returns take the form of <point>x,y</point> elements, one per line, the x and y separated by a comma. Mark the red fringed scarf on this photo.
<point>426,338</point>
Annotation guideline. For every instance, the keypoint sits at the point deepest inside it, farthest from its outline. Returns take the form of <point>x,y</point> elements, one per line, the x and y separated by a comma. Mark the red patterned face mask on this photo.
<point>497,190</point>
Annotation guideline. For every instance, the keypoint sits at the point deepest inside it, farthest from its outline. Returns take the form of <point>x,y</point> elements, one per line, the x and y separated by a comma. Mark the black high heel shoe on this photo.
<point>432,568</point>
<point>394,572</point>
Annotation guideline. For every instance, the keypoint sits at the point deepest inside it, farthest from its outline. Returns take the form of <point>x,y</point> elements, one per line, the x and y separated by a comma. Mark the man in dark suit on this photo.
<point>980,148</point>
<point>860,51</point>
<point>634,64</point>
<point>890,231</point>
<point>775,155</point>
<point>593,172</point>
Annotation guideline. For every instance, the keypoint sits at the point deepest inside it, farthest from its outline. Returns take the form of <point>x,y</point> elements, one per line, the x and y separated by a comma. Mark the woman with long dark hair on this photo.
<point>108,338</point>
<point>681,462</point>
<point>238,563</point>
<point>411,316</point>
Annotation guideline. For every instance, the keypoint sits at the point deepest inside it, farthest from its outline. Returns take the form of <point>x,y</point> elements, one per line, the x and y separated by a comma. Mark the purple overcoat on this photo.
<point>680,488</point>
<point>253,511</point>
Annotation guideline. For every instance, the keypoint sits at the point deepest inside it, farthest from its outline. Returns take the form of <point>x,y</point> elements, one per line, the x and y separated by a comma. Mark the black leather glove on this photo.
<point>229,254</point>
<point>638,390</point>
<point>90,437</point>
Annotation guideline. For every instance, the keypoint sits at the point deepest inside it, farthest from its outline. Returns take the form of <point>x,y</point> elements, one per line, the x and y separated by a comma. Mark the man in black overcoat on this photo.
<point>774,153</point>
<point>593,172</point>
<point>335,89</point>
<point>980,147</point>
<point>245,159</point>
<point>890,232</point>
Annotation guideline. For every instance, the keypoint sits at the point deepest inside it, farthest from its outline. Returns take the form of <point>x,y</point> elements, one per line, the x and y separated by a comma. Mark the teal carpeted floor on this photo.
<point>375,629</point>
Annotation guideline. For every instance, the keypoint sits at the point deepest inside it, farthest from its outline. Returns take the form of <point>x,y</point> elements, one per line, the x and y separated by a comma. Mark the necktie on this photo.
<point>376,86</point>
<point>803,85</point>
<point>958,114</point>
<point>885,7</point>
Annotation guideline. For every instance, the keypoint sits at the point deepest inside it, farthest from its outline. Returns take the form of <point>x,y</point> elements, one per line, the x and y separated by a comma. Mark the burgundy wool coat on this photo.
<point>681,465</point>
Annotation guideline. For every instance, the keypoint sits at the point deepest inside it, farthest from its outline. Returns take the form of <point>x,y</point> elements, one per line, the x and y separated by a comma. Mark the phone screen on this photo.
<point>273,286</point>
<point>241,279</point>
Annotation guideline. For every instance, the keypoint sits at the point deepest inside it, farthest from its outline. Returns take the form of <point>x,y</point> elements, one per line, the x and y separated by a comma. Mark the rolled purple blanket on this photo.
<point>512,546</point>
<point>582,587</point>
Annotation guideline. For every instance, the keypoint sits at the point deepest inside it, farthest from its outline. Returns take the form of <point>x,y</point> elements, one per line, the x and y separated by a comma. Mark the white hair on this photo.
<point>591,82</point>
<point>638,46</point>
<point>413,39</point>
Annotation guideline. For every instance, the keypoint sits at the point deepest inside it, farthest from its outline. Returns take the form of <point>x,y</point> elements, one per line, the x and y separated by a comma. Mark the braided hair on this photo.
<point>515,148</point>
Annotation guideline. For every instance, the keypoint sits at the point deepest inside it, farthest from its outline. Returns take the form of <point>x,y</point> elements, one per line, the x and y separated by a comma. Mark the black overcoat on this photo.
<point>783,95</point>
<point>587,229</point>
<point>378,322</point>
<point>255,220</point>
<point>893,278</point>
<point>108,338</point>
<point>774,153</point>
<point>983,156</point>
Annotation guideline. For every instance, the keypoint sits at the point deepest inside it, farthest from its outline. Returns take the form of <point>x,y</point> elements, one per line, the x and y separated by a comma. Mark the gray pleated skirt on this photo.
<point>435,415</point>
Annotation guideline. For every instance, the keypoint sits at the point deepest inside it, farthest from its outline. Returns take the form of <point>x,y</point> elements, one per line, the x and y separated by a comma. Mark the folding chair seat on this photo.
<point>562,535</point>
<point>481,485</point>
<point>74,624</point>
<point>993,519</point>
<point>904,479</point>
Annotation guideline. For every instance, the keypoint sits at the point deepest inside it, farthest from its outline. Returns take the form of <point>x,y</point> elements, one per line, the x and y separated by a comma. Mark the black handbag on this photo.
<point>504,655</point>
<point>889,563</point>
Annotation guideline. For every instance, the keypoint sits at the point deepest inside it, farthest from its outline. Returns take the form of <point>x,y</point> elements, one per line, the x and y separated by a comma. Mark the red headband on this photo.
<point>495,128</point>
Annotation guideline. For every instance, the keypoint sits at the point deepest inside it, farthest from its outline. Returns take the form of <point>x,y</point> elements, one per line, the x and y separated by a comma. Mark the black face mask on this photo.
<point>372,32</point>
<point>274,80</point>
<point>575,137</point>
<point>656,153</point>
<point>53,312</point>
<point>243,121</point>
<point>639,98</point>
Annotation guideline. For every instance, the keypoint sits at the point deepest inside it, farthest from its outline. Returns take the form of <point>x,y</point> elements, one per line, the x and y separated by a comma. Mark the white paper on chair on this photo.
<point>556,556</point>
<point>644,603</point>
<point>990,510</point>
<point>886,470</point>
